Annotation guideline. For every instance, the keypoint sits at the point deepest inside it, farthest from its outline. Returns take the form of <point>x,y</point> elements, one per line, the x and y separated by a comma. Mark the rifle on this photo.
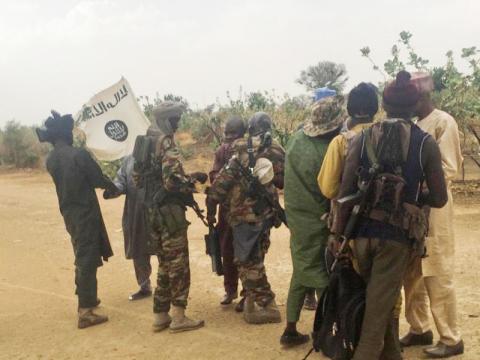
<point>212,246</point>
<point>359,199</point>
<point>212,240</point>
<point>185,199</point>
<point>359,202</point>
<point>257,191</point>
<point>189,201</point>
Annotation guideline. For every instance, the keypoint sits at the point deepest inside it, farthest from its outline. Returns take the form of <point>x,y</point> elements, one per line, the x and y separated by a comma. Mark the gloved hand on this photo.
<point>109,194</point>
<point>211,220</point>
<point>201,177</point>
<point>111,191</point>
<point>211,206</point>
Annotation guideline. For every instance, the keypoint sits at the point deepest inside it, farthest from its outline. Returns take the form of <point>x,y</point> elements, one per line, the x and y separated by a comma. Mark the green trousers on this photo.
<point>382,264</point>
<point>296,297</point>
<point>86,282</point>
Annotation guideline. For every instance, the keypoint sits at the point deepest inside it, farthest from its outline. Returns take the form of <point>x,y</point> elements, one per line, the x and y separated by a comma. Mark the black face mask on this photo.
<point>43,134</point>
<point>174,122</point>
<point>46,135</point>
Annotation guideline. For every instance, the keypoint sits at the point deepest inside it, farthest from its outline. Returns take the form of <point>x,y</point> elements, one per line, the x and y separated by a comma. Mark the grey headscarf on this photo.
<point>162,113</point>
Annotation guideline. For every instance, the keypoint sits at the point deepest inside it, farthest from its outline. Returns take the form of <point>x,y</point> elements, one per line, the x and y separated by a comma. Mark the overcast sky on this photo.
<point>58,53</point>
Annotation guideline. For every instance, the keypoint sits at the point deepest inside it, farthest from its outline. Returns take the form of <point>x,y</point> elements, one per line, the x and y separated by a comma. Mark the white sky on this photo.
<point>58,53</point>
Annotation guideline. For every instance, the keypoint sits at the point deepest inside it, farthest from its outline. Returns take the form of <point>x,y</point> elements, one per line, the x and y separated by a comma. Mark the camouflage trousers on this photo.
<point>253,275</point>
<point>173,277</point>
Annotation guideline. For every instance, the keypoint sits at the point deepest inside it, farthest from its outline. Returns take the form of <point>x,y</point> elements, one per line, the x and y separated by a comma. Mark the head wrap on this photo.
<point>324,92</point>
<point>401,95</point>
<point>326,115</point>
<point>263,170</point>
<point>163,112</point>
<point>56,127</point>
<point>423,81</point>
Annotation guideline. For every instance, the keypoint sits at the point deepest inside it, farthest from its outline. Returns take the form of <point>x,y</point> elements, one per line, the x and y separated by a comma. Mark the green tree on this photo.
<point>455,92</point>
<point>20,147</point>
<point>325,73</point>
<point>257,101</point>
<point>397,63</point>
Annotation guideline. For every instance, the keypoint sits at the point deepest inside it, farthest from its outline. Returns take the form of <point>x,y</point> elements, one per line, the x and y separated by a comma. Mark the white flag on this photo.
<point>111,121</point>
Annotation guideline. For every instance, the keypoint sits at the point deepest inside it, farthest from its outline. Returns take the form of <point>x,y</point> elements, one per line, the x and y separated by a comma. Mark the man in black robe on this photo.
<point>76,175</point>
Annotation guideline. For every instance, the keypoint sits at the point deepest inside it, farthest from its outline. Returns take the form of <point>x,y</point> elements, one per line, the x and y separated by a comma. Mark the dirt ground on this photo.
<point>38,305</point>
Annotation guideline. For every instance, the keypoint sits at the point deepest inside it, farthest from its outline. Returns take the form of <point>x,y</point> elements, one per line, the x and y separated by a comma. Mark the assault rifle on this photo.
<point>185,199</point>
<point>212,245</point>
<point>358,201</point>
<point>257,191</point>
<point>212,240</point>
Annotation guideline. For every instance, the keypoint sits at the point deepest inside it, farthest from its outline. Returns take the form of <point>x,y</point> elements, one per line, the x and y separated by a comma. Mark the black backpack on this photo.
<point>339,315</point>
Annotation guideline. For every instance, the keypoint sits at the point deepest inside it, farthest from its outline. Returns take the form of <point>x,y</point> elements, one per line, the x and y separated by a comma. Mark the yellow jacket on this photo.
<point>330,174</point>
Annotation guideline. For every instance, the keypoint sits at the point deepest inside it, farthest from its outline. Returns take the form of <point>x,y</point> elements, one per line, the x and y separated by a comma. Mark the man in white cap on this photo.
<point>431,278</point>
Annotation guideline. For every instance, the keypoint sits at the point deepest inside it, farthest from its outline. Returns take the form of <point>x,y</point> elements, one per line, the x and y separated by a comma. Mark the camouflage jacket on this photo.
<point>230,187</point>
<point>168,157</point>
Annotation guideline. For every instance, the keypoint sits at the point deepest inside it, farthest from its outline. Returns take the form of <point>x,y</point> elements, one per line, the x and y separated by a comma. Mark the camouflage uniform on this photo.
<point>230,189</point>
<point>168,230</point>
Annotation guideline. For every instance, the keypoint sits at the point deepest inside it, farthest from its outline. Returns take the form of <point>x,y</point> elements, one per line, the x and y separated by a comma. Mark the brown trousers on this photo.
<point>382,265</point>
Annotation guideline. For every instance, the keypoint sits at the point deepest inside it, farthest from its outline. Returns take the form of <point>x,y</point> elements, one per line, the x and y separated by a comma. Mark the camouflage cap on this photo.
<point>326,115</point>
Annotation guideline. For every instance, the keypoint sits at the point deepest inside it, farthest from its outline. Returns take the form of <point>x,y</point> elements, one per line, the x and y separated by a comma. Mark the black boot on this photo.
<point>417,339</point>
<point>140,294</point>
<point>293,338</point>
<point>228,298</point>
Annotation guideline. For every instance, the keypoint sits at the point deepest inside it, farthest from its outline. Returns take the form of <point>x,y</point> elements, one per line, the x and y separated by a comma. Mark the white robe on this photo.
<point>440,241</point>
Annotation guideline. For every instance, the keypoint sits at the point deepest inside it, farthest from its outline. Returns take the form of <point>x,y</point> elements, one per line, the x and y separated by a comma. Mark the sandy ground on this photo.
<point>37,301</point>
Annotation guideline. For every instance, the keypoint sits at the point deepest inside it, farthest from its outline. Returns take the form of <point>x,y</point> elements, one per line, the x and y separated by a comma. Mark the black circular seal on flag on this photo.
<point>116,130</point>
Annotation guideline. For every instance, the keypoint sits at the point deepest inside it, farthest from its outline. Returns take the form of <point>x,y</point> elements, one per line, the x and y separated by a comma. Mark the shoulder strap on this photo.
<point>372,156</point>
<point>251,155</point>
<point>348,136</point>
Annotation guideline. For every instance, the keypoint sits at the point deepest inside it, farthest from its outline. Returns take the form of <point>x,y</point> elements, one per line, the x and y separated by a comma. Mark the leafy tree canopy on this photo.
<point>325,73</point>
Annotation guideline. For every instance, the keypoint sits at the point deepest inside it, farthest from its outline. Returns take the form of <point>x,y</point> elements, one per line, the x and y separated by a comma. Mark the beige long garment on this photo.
<point>440,241</point>
<point>436,285</point>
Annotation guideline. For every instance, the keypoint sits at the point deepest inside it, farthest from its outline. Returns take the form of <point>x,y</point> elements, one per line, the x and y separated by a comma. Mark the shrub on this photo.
<point>20,147</point>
